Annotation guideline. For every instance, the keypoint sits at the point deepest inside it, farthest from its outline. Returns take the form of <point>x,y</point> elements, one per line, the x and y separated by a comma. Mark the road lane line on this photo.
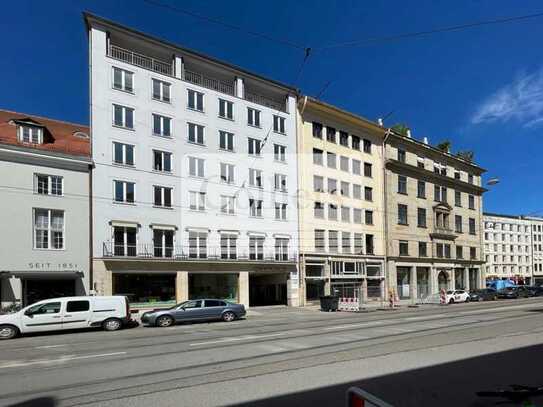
<point>49,346</point>
<point>360,325</point>
<point>60,360</point>
<point>425,317</point>
<point>240,338</point>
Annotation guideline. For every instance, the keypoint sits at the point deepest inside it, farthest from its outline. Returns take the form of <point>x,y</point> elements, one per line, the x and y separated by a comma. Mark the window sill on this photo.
<point>403,224</point>
<point>227,150</point>
<point>48,195</point>
<point>402,193</point>
<point>282,133</point>
<point>128,92</point>
<point>124,203</point>
<point>162,136</point>
<point>163,207</point>
<point>280,162</point>
<point>255,155</point>
<point>168,102</point>
<point>159,172</point>
<point>123,127</point>
<point>194,143</point>
<point>281,220</point>
<point>230,119</point>
<point>121,165</point>
<point>192,109</point>
<point>197,210</point>
<point>252,125</point>
<point>48,250</point>
<point>421,196</point>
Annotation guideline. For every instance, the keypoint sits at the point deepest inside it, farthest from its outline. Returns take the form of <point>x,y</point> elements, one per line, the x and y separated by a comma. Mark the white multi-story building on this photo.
<point>508,247</point>
<point>195,180</point>
<point>44,208</point>
<point>537,247</point>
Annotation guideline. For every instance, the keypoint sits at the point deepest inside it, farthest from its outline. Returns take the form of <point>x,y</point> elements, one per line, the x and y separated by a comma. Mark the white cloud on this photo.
<point>520,100</point>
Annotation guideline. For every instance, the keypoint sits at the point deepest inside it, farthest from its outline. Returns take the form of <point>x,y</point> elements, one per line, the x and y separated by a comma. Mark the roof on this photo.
<point>89,17</point>
<point>59,136</point>
<point>501,215</point>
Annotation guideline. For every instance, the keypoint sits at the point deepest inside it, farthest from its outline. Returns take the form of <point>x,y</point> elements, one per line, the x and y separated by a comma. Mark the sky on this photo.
<point>480,88</point>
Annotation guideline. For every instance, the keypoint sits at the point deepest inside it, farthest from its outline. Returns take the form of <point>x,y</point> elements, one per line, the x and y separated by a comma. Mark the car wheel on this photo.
<point>164,321</point>
<point>112,324</point>
<point>228,316</point>
<point>451,301</point>
<point>467,299</point>
<point>480,299</point>
<point>8,332</point>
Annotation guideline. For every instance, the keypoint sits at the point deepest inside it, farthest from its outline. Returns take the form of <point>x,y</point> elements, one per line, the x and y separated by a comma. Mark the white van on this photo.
<point>67,313</point>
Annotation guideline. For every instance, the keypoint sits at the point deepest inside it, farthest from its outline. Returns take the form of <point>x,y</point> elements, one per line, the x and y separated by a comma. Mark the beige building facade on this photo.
<point>433,220</point>
<point>340,167</point>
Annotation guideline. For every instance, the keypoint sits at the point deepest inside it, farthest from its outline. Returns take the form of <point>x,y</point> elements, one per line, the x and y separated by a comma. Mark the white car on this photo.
<point>456,296</point>
<point>108,312</point>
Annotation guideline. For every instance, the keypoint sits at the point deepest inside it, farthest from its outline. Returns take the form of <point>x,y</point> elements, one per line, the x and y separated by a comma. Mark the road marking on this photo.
<point>60,360</point>
<point>366,324</point>
<point>49,346</point>
<point>240,338</point>
<point>425,317</point>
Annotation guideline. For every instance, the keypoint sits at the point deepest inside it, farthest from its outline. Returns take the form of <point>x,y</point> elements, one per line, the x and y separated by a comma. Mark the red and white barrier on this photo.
<point>349,304</point>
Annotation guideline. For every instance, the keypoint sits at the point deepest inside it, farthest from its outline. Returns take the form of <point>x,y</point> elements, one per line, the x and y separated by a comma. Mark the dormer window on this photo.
<point>30,134</point>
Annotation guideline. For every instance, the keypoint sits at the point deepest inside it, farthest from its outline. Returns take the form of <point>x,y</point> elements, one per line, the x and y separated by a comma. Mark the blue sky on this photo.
<point>481,88</point>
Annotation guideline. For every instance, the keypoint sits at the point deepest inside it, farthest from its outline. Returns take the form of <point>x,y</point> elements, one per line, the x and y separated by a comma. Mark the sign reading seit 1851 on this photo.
<point>52,266</point>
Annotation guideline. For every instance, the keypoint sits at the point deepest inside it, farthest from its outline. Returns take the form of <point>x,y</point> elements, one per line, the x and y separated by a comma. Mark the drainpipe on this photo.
<point>385,212</point>
<point>300,263</point>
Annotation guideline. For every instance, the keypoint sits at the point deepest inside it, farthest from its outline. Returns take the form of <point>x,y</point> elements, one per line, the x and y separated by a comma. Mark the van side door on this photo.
<point>45,316</point>
<point>77,314</point>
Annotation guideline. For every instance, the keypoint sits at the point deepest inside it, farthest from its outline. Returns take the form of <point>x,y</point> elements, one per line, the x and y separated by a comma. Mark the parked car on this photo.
<point>194,310</point>
<point>108,312</point>
<point>535,290</point>
<point>524,291</point>
<point>483,294</point>
<point>508,293</point>
<point>457,296</point>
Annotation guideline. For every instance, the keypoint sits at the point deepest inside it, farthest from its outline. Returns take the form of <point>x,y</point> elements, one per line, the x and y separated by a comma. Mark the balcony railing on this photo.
<point>210,83</point>
<point>149,251</point>
<point>142,61</point>
<point>264,101</point>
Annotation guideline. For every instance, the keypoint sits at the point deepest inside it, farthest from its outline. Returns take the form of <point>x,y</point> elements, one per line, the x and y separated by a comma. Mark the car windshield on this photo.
<point>450,292</point>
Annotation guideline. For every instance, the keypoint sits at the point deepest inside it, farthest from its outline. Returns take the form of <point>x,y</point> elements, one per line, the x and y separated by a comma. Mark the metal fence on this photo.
<point>140,60</point>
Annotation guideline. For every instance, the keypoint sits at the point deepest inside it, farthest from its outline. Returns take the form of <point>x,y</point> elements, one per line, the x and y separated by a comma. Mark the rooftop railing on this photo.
<point>210,83</point>
<point>140,60</point>
<point>264,101</point>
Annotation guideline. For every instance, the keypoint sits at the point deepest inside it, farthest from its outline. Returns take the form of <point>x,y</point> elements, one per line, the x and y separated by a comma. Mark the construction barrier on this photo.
<point>349,304</point>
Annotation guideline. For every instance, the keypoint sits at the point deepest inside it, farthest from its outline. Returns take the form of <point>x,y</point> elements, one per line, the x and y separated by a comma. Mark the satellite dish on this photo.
<point>493,181</point>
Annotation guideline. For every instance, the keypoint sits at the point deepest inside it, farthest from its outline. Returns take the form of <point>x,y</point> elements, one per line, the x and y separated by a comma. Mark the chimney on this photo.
<point>408,133</point>
<point>425,140</point>
<point>380,122</point>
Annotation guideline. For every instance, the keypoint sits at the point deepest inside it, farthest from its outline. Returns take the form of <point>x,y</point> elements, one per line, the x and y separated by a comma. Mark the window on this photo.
<point>31,134</point>
<point>331,160</point>
<point>367,170</point>
<point>346,242</point>
<point>281,249</point>
<point>124,191</point>
<point>344,163</point>
<point>332,212</point>
<point>226,140</point>
<point>254,146</point>
<point>318,183</point>
<point>124,240</point>
<point>280,211</point>
<point>48,184</point>
<point>162,126</point>
<point>440,194</point>
<point>319,240</point>
<point>457,174</point>
<point>344,188</point>
<point>345,214</point>
<point>163,196</point>
<point>471,202</point>
<point>77,306</point>
<point>330,134</point>
<point>332,186</point>
<point>226,109</point>
<point>123,116</point>
<point>278,124</point>
<point>358,248</point>
<point>470,178</point>
<point>317,130</point>
<point>279,153</point>
<point>253,117</point>
<point>317,156</point>
<point>163,242</point>
<point>368,217</point>
<point>402,214</point>
<point>357,215</point>
<point>214,303</point>
<point>255,178</point>
<point>420,162</point>
<point>367,146</point>
<point>401,155</point>
<point>228,249</point>
<point>421,189</point>
<point>458,223</point>
<point>196,134</point>
<point>162,161</point>
<point>369,244</point>
<point>47,308</point>
<point>280,182</point>
<point>459,252</point>
<point>256,248</point>
<point>48,229</point>
<point>123,80</point>
<point>471,226</point>
<point>357,191</point>
<point>197,245</point>
<point>195,100</point>
<point>421,217</point>
<point>161,91</point>
<point>404,248</point>
<point>123,154</point>
<point>473,253</point>
<point>227,173</point>
<point>344,138</point>
<point>402,184</point>
<point>440,251</point>
<point>228,204</point>
<point>332,241</point>
<point>457,198</point>
<point>447,248</point>
<point>196,167</point>
<point>318,210</point>
<point>197,201</point>
<point>356,167</point>
<point>423,249</point>
<point>255,208</point>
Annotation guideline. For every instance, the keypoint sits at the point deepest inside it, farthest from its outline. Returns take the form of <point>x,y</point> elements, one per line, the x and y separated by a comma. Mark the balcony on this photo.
<point>140,60</point>
<point>210,83</point>
<point>264,101</point>
<point>443,232</point>
<point>186,253</point>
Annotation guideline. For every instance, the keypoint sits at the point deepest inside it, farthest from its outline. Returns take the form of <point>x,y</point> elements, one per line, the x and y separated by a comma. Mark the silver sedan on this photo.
<point>194,310</point>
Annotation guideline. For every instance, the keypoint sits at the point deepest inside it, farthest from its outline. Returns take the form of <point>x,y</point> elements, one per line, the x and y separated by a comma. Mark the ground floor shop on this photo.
<point>357,277</point>
<point>164,283</point>
<point>417,281</point>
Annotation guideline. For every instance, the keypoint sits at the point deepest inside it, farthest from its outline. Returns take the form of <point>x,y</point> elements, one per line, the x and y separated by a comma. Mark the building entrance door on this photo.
<point>443,280</point>
<point>35,290</point>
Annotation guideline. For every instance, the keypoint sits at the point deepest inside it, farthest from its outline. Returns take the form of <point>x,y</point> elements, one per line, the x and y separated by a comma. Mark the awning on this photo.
<point>255,233</point>
<point>44,275</point>
<point>162,226</point>
<point>124,223</point>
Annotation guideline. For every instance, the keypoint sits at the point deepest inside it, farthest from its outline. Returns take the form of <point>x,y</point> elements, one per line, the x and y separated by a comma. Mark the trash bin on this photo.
<point>329,303</point>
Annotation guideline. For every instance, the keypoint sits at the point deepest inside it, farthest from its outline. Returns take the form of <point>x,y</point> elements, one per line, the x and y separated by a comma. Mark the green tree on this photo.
<point>400,128</point>
<point>444,146</point>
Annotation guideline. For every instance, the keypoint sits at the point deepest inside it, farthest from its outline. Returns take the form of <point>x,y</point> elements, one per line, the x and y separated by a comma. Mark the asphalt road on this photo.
<point>412,357</point>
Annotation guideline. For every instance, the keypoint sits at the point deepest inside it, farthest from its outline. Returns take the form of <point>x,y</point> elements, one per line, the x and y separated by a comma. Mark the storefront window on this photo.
<point>402,280</point>
<point>150,289</point>
<point>220,286</point>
